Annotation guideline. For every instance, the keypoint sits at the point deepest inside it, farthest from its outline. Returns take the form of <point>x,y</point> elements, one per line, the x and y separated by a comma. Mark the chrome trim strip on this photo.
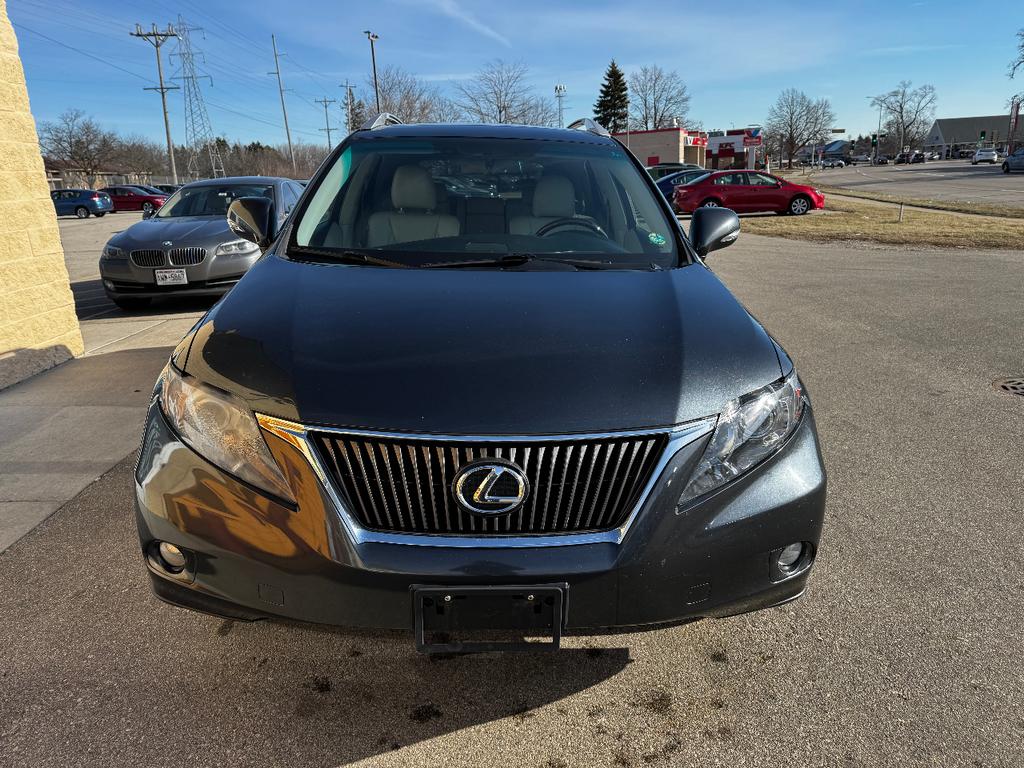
<point>297,435</point>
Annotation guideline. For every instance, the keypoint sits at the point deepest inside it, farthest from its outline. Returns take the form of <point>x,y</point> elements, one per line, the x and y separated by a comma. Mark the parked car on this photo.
<point>534,414</point>
<point>917,157</point>
<point>881,160</point>
<point>128,197</point>
<point>1014,161</point>
<point>81,202</point>
<point>664,169</point>
<point>748,192</point>
<point>168,189</point>
<point>985,155</point>
<point>667,184</point>
<point>186,247</point>
<point>833,162</point>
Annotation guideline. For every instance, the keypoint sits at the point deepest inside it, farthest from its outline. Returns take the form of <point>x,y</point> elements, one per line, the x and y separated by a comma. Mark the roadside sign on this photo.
<point>838,130</point>
<point>752,141</point>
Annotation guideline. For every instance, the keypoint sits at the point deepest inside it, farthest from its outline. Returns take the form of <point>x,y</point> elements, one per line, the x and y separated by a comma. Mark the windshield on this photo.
<point>210,199</point>
<point>428,201</point>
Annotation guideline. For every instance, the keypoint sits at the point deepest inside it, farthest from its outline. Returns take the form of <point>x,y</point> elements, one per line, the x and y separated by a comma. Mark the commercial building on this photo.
<point>951,135</point>
<point>38,324</point>
<point>666,145</point>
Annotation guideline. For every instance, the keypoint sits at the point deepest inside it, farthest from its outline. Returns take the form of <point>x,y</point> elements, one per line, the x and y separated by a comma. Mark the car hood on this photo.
<point>180,230</point>
<point>480,352</point>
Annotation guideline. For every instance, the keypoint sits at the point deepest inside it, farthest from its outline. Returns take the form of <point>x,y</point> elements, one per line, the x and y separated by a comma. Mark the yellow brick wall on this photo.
<point>38,326</point>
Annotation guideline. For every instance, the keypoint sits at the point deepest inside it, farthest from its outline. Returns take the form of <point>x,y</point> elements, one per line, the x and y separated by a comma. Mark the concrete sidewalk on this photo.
<point>64,428</point>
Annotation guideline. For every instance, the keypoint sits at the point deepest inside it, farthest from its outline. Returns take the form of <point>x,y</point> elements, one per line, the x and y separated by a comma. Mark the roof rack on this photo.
<point>383,120</point>
<point>588,125</point>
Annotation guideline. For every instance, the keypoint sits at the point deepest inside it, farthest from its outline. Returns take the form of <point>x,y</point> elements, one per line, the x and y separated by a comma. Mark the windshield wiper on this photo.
<point>516,260</point>
<point>348,257</point>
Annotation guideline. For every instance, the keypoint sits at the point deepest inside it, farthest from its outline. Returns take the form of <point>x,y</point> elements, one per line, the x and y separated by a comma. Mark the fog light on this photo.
<point>108,284</point>
<point>173,557</point>
<point>789,556</point>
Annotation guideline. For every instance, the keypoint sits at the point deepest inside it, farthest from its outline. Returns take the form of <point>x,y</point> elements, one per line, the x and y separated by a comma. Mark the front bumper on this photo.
<point>253,557</point>
<point>214,276</point>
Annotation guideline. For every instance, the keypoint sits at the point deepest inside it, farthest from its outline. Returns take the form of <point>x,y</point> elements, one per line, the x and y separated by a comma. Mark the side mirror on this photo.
<point>712,229</point>
<point>252,219</point>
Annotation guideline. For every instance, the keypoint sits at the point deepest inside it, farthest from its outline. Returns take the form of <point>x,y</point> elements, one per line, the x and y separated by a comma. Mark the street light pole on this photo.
<point>373,58</point>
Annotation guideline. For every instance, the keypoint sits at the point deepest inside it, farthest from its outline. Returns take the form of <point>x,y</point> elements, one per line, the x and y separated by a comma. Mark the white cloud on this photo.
<point>452,9</point>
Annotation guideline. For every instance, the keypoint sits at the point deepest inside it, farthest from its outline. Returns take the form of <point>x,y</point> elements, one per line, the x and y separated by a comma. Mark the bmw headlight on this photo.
<point>220,428</point>
<point>112,252</point>
<point>236,247</point>
<point>749,430</point>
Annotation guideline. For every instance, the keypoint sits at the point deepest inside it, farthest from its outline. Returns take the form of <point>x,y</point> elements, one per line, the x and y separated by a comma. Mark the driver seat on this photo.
<point>414,197</point>
<point>554,198</point>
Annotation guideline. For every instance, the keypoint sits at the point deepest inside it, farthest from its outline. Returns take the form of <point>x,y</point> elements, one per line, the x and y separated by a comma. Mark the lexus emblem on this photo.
<point>490,487</point>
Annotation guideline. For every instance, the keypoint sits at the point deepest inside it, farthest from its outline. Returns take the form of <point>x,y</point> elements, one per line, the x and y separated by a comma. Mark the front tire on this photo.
<point>100,214</point>
<point>711,203</point>
<point>1006,167</point>
<point>82,212</point>
<point>799,205</point>
<point>147,208</point>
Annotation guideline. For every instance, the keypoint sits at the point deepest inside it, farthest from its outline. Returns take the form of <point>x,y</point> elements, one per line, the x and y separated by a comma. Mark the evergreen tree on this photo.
<point>612,107</point>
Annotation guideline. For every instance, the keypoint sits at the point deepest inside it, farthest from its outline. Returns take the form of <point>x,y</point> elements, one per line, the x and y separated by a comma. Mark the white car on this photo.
<point>985,156</point>
<point>832,162</point>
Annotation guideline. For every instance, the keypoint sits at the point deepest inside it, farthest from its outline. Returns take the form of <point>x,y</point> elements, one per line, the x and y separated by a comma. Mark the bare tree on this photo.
<point>409,98</point>
<point>657,99</point>
<point>908,112</point>
<point>499,93</point>
<point>137,154</point>
<point>77,142</point>
<point>1018,60</point>
<point>796,120</point>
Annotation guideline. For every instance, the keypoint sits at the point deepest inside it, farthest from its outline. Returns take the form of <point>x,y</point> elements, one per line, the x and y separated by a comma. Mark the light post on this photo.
<point>878,136</point>
<point>373,38</point>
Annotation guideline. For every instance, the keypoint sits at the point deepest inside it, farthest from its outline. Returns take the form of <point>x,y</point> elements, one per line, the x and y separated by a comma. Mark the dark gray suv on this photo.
<point>480,386</point>
<point>185,247</point>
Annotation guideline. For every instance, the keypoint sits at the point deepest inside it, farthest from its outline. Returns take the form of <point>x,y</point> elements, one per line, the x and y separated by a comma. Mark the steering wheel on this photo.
<point>570,221</point>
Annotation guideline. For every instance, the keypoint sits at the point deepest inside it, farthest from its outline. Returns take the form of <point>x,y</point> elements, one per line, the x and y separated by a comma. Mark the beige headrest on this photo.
<point>412,187</point>
<point>554,196</point>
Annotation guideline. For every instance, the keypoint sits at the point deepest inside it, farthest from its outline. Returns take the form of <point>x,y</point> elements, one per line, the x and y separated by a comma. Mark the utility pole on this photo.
<point>284,111</point>
<point>373,58</point>
<point>157,38</point>
<point>327,118</point>
<point>560,94</point>
<point>349,104</point>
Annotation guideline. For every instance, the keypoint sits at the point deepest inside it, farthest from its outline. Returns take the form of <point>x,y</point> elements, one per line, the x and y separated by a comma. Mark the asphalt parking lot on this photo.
<point>904,651</point>
<point>936,180</point>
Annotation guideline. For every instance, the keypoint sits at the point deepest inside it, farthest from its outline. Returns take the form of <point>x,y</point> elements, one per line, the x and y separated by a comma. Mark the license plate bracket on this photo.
<point>171,277</point>
<point>535,609</point>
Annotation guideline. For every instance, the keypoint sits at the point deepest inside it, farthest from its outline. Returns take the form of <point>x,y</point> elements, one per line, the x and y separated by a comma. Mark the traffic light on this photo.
<point>874,140</point>
<point>982,137</point>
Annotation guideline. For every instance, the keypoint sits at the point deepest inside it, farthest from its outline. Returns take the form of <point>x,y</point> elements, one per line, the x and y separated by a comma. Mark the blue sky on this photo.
<point>734,56</point>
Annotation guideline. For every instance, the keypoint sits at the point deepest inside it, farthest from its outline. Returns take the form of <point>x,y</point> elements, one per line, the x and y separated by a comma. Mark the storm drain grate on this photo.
<point>1011,386</point>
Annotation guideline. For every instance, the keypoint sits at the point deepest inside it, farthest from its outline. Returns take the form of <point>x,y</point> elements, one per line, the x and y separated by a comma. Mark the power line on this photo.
<point>19,25</point>
<point>327,118</point>
<point>284,110</point>
<point>157,38</point>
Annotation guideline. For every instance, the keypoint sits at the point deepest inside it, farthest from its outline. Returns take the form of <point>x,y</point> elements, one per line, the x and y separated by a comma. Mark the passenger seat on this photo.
<point>553,198</point>
<point>414,218</point>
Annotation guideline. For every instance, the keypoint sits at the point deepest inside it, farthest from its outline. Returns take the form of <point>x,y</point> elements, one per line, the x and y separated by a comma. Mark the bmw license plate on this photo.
<point>171,277</point>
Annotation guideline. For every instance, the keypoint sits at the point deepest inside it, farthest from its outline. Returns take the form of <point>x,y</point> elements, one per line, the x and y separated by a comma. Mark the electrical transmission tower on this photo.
<point>199,138</point>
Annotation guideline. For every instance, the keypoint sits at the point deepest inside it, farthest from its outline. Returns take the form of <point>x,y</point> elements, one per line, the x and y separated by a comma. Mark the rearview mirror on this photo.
<point>712,229</point>
<point>252,219</point>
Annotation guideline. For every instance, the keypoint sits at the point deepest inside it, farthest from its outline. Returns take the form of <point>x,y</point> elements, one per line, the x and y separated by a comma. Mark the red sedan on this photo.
<point>130,198</point>
<point>747,192</point>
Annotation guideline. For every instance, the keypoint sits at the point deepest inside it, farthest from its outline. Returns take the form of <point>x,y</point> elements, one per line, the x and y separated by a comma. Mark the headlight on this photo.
<point>235,246</point>
<point>749,430</point>
<point>219,427</point>
<point>112,252</point>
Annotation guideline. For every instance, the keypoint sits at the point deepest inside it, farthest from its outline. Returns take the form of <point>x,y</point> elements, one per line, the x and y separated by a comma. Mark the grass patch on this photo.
<point>851,221</point>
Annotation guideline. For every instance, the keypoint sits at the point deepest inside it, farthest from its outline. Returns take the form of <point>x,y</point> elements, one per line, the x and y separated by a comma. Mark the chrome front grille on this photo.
<point>187,257</point>
<point>148,258</point>
<point>405,484</point>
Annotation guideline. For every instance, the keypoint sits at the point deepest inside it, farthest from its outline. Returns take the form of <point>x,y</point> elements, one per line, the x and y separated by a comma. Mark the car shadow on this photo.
<point>91,301</point>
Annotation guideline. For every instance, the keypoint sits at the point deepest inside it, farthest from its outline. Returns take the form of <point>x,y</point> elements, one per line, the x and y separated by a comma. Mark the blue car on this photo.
<point>668,183</point>
<point>81,202</point>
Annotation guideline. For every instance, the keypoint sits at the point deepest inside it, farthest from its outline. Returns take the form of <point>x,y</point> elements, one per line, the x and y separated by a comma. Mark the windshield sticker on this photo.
<point>655,238</point>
